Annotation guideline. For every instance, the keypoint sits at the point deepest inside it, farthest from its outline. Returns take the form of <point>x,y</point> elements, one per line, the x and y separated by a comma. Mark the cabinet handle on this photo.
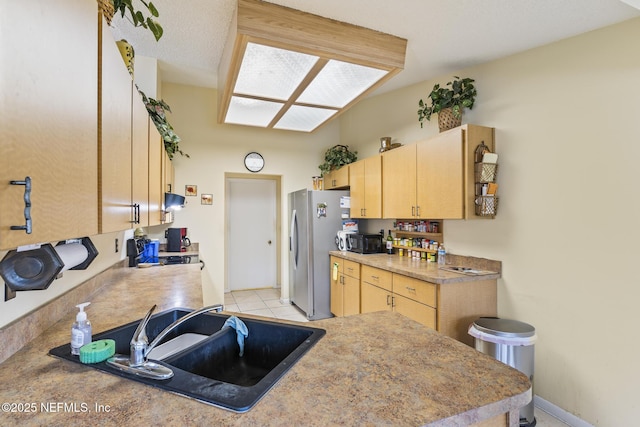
<point>417,210</point>
<point>136,213</point>
<point>375,277</point>
<point>388,298</point>
<point>410,289</point>
<point>393,301</point>
<point>27,227</point>
<point>413,211</point>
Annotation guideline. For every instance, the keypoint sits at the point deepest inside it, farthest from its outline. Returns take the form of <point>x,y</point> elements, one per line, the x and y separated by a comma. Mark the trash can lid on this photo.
<point>504,327</point>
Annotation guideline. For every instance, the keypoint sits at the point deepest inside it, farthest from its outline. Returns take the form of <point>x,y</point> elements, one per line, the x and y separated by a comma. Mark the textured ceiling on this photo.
<point>443,36</point>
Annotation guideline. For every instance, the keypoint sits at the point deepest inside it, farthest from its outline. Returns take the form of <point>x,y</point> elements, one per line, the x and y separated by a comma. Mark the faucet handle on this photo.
<point>140,335</point>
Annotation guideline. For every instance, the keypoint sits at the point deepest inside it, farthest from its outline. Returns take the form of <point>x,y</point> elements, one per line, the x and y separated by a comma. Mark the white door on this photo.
<point>251,233</point>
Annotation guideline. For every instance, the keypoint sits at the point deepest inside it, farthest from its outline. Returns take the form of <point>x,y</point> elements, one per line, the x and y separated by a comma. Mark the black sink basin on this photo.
<point>212,371</point>
<point>266,347</point>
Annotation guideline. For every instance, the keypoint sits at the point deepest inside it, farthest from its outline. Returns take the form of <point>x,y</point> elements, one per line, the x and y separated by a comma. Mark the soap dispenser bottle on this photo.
<point>80,330</point>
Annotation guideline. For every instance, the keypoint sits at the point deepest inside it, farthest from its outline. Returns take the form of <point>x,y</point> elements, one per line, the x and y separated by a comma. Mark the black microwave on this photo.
<point>366,243</point>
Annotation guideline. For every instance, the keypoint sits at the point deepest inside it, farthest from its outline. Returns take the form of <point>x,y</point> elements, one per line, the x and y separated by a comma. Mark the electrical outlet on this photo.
<point>116,245</point>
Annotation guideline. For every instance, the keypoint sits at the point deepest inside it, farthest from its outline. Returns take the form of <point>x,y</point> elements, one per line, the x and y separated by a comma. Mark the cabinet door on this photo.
<point>399,182</point>
<point>140,161</point>
<point>373,298</point>
<point>357,189</point>
<point>115,139</point>
<point>372,186</point>
<point>414,310</point>
<point>338,178</point>
<point>351,296</point>
<point>336,286</point>
<point>440,179</point>
<point>156,193</point>
<point>167,184</point>
<point>48,111</point>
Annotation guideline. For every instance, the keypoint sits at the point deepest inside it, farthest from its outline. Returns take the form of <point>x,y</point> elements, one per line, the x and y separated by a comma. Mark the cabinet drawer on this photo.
<point>414,310</point>
<point>418,290</point>
<point>376,276</point>
<point>350,268</point>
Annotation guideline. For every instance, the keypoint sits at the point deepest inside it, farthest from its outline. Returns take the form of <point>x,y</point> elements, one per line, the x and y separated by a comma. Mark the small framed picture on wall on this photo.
<point>190,190</point>
<point>206,199</point>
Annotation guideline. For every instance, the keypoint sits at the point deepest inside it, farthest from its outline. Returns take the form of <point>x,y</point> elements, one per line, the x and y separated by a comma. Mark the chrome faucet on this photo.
<point>136,363</point>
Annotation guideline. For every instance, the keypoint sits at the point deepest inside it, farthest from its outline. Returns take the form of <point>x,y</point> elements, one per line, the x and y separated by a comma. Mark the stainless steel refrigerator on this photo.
<point>314,219</point>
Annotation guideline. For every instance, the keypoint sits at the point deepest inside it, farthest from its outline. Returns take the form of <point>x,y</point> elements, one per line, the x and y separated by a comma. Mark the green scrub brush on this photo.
<point>97,351</point>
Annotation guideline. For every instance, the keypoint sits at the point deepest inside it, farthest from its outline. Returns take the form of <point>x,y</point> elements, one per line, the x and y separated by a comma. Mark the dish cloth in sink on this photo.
<point>241,330</point>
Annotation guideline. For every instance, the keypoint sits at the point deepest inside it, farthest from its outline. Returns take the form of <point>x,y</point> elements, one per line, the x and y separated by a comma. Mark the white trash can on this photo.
<point>511,342</point>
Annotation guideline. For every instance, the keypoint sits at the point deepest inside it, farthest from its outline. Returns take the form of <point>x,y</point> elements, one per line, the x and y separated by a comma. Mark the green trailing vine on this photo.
<point>157,111</point>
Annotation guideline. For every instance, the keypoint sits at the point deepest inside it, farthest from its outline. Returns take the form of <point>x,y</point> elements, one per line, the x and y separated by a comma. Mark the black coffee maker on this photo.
<point>177,240</point>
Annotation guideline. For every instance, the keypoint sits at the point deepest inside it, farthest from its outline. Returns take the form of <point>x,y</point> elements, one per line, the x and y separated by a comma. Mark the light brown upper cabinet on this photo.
<point>114,140</point>
<point>337,179</point>
<point>140,165</point>
<point>365,181</point>
<point>156,178</point>
<point>48,111</point>
<point>434,178</point>
<point>399,182</point>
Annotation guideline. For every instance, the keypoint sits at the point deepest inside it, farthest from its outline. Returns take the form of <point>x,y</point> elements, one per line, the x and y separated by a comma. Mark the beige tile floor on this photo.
<point>262,302</point>
<point>266,302</point>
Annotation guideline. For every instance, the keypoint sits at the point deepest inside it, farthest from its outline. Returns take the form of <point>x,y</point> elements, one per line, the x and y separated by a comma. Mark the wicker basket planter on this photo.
<point>446,119</point>
<point>106,8</point>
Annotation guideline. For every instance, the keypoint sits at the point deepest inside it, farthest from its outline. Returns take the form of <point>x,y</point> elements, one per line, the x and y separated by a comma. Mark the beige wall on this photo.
<point>567,228</point>
<point>218,149</point>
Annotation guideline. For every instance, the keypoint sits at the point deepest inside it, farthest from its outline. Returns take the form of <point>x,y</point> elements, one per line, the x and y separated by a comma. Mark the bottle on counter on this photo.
<point>389,243</point>
<point>80,330</point>
<point>441,255</point>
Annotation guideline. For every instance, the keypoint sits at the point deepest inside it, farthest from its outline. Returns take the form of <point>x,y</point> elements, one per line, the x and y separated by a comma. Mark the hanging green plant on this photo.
<point>336,157</point>
<point>137,18</point>
<point>157,111</point>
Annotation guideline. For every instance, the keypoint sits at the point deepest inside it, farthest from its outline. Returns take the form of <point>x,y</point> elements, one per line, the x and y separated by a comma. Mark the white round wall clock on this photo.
<point>254,162</point>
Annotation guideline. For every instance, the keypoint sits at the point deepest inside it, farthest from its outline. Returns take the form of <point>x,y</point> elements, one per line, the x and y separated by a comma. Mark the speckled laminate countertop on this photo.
<point>371,369</point>
<point>424,270</point>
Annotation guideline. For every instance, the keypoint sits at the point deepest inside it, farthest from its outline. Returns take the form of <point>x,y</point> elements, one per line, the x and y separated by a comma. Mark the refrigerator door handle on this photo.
<point>293,238</point>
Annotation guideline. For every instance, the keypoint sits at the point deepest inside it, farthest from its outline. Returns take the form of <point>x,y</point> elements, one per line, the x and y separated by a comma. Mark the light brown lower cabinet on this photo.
<point>448,308</point>
<point>345,287</point>
<point>382,290</point>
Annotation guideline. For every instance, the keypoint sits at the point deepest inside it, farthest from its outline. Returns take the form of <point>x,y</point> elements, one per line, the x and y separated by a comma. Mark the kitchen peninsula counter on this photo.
<point>371,369</point>
<point>423,270</point>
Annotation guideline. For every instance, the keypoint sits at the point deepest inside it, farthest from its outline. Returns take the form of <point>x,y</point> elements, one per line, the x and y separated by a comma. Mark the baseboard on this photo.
<point>559,413</point>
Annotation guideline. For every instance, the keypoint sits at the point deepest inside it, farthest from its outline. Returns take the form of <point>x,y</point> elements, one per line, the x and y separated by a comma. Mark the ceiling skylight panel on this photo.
<point>269,72</point>
<point>339,83</point>
<point>252,112</point>
<point>303,118</point>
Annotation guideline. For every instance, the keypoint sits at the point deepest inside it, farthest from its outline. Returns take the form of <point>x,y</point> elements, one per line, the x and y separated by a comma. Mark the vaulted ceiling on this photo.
<point>443,36</point>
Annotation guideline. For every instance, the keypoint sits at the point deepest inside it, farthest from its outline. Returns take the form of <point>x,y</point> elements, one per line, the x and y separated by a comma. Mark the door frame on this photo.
<point>264,177</point>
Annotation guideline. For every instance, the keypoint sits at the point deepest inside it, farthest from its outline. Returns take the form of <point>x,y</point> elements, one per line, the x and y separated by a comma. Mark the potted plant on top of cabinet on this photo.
<point>448,103</point>
<point>336,157</point>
